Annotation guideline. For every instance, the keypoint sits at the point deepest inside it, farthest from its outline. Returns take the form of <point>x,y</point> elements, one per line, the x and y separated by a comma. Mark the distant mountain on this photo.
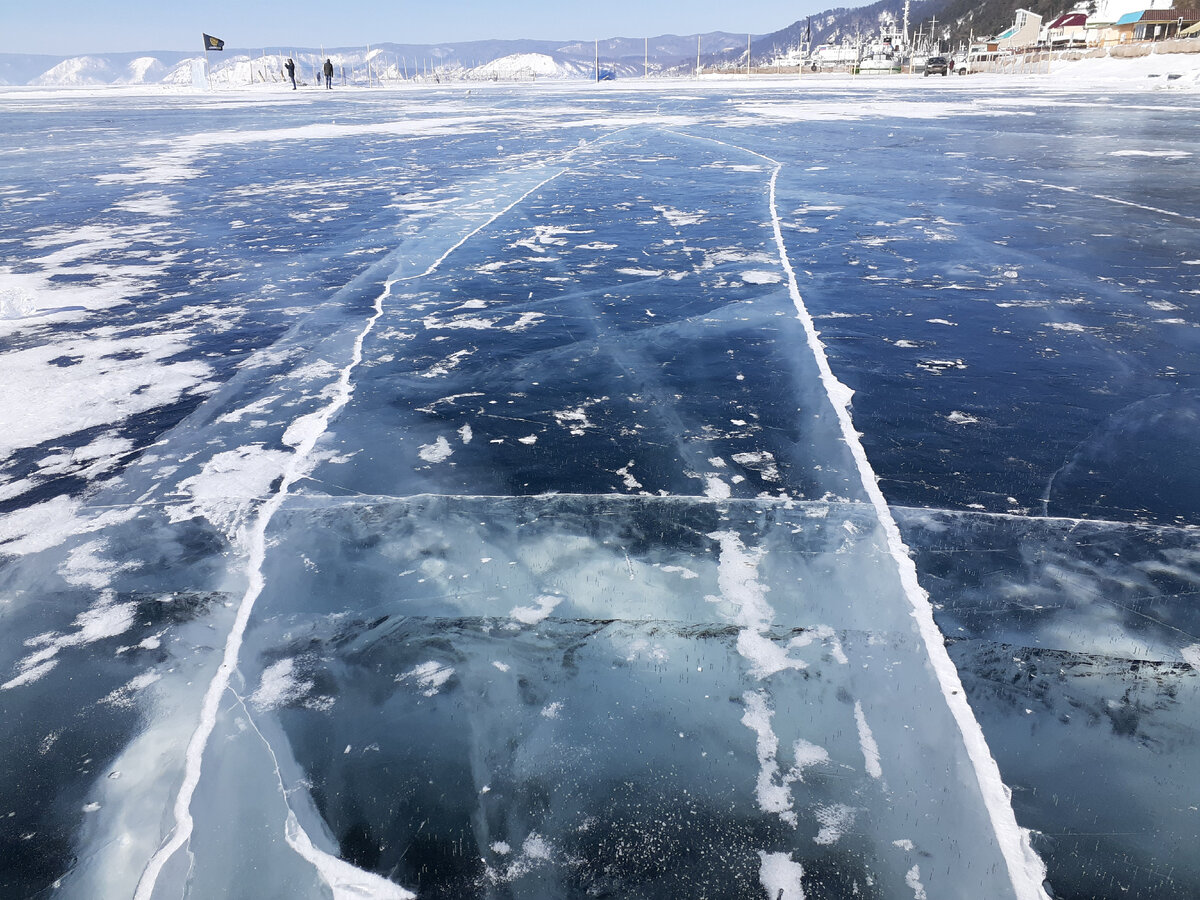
<point>469,59</point>
<point>105,68</point>
<point>955,22</point>
<point>21,68</point>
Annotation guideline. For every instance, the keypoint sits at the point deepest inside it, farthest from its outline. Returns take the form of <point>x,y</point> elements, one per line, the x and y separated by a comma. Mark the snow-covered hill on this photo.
<point>523,66</point>
<point>92,70</point>
<point>472,60</point>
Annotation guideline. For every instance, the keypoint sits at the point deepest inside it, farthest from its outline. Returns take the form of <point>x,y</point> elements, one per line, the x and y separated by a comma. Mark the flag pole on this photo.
<point>207,80</point>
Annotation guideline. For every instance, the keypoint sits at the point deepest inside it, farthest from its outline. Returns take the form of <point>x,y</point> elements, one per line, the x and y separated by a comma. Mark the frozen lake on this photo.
<point>706,490</point>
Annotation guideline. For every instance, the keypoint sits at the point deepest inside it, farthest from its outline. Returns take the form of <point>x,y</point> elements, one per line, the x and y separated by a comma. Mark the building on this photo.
<point>1023,32</point>
<point>1159,24</point>
<point>1101,28</point>
<point>1068,30</point>
<point>1152,25</point>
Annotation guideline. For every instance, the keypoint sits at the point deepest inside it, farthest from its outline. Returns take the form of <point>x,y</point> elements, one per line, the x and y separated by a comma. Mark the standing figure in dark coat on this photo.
<point>290,67</point>
<point>328,70</point>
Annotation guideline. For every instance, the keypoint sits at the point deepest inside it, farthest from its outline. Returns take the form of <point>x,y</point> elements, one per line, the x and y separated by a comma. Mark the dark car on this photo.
<point>937,65</point>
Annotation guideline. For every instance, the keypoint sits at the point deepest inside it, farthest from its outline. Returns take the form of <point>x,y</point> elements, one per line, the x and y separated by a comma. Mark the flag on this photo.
<point>212,43</point>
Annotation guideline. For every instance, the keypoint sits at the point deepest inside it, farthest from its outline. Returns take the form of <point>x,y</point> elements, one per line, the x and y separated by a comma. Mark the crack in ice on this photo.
<point>1026,870</point>
<point>302,436</point>
<point>316,424</point>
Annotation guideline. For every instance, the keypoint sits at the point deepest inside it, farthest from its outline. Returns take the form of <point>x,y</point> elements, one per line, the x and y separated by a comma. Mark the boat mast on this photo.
<point>906,22</point>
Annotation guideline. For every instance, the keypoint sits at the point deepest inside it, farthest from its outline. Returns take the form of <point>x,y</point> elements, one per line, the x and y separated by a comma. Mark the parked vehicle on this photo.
<point>937,65</point>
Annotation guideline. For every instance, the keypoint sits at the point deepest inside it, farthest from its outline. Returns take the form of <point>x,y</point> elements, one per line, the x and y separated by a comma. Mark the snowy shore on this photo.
<point>1174,71</point>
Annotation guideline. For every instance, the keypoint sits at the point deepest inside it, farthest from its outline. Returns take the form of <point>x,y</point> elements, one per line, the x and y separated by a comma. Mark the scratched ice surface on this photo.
<point>439,494</point>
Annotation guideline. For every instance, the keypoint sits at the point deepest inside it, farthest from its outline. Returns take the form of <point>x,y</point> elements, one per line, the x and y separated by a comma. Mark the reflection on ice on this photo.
<point>1072,638</point>
<point>691,693</point>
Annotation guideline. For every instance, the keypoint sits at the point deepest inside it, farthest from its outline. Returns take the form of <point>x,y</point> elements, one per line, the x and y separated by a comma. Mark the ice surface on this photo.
<point>421,493</point>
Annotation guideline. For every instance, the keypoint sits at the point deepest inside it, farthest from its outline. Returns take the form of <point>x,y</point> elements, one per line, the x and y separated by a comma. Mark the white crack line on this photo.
<point>297,469</point>
<point>1025,868</point>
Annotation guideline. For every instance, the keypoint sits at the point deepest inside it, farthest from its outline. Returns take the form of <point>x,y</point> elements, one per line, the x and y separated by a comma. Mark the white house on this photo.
<point>1022,33</point>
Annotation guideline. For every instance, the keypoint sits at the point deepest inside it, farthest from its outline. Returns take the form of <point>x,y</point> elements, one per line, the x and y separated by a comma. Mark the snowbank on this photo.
<point>1154,71</point>
<point>521,66</point>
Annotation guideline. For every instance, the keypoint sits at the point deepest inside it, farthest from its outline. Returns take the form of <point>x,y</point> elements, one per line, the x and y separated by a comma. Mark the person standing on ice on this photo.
<point>328,70</point>
<point>290,67</point>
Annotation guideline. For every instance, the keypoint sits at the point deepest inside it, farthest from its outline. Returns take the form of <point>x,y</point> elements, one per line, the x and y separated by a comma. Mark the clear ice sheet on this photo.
<point>478,669</point>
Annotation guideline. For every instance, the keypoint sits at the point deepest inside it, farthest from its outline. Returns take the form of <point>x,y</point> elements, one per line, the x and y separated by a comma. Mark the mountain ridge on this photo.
<point>662,52</point>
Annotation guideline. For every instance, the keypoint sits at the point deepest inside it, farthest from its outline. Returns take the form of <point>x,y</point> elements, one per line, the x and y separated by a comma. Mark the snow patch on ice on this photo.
<point>429,677</point>
<point>781,876</point>
<point>835,821</point>
<point>737,578</point>
<point>226,489</point>
<point>104,619</point>
<point>716,488</point>
<point>913,880</point>
<point>866,740</point>
<point>151,203</point>
<point>86,566</point>
<point>532,615</point>
<point>771,790</point>
<point>106,381</point>
<point>535,852</point>
<point>574,420</point>
<point>684,572</point>
<point>1163,154</point>
<point>627,478</point>
<point>677,218</point>
<point>761,461</point>
<point>41,526</point>
<point>757,276</point>
<point>773,787</point>
<point>439,451</point>
<point>279,686</point>
<point>123,696</point>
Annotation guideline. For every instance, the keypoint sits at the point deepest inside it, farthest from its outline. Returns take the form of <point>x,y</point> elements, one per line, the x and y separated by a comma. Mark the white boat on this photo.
<point>834,57</point>
<point>889,52</point>
<point>886,56</point>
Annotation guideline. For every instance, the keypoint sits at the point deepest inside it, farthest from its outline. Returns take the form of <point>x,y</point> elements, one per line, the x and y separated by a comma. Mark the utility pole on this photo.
<point>597,60</point>
<point>697,56</point>
<point>747,55</point>
<point>646,72</point>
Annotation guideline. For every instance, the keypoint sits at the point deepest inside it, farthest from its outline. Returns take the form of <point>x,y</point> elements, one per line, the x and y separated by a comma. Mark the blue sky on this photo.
<point>76,26</point>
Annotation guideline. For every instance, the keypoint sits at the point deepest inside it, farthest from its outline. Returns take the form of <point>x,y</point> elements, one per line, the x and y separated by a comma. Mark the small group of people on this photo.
<point>327,70</point>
